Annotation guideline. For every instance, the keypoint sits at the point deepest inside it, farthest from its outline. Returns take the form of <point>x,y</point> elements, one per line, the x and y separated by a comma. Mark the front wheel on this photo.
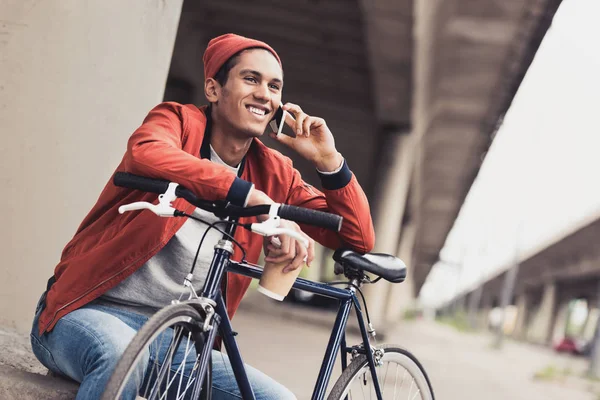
<point>163,361</point>
<point>400,376</point>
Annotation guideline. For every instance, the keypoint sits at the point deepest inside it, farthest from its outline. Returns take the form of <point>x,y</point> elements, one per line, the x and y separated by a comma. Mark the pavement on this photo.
<point>288,342</point>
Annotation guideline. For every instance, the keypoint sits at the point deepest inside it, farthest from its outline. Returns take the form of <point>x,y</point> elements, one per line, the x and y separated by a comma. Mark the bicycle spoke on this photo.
<point>403,378</point>
<point>171,354</point>
<point>183,362</point>
<point>154,364</point>
<point>418,389</point>
<point>191,377</point>
<point>417,392</point>
<point>181,368</point>
<point>395,382</point>
<point>168,360</point>
<point>362,386</point>
<point>186,388</point>
<point>191,380</point>
<point>385,378</point>
<point>411,386</point>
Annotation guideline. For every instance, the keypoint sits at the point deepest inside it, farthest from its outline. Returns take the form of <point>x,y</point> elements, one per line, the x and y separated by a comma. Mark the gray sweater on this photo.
<point>160,279</point>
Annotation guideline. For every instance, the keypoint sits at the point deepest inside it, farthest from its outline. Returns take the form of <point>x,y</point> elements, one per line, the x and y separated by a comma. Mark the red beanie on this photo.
<point>221,48</point>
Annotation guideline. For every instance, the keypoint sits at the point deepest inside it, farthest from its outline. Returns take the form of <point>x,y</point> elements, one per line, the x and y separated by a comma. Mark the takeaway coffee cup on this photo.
<point>275,283</point>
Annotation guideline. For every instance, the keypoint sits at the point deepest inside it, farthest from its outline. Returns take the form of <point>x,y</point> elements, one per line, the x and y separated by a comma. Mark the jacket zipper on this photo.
<point>82,296</point>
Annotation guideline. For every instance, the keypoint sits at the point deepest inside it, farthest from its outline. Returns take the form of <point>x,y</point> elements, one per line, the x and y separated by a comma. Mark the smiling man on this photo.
<point>120,269</point>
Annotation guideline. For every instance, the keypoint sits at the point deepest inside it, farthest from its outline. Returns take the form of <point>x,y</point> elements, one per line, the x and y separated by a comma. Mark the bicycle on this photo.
<point>196,320</point>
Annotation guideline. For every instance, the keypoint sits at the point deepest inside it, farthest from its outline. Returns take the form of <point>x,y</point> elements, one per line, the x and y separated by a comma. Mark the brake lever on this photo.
<point>162,209</point>
<point>271,227</point>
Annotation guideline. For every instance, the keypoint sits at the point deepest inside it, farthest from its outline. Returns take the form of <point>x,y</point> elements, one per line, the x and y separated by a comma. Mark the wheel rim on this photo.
<point>160,377</point>
<point>399,378</point>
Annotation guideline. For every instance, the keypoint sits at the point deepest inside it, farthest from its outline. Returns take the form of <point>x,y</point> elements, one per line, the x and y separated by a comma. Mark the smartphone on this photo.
<point>278,122</point>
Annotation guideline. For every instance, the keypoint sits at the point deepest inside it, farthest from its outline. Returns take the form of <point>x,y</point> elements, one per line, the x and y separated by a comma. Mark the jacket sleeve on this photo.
<point>341,195</point>
<point>156,150</point>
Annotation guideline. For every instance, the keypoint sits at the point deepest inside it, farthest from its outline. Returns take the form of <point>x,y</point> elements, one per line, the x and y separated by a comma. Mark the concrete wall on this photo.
<point>76,78</point>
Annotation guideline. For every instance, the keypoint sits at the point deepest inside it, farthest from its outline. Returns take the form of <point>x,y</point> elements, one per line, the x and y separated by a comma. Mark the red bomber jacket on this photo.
<point>108,247</point>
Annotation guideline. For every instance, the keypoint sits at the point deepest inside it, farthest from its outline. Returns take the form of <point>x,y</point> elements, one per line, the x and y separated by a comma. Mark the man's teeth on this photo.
<point>256,110</point>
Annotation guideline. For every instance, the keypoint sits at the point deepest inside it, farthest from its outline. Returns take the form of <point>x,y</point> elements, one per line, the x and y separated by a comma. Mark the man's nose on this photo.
<point>262,92</point>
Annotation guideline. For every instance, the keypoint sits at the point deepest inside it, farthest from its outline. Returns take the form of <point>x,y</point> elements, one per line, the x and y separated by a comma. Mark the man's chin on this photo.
<point>253,131</point>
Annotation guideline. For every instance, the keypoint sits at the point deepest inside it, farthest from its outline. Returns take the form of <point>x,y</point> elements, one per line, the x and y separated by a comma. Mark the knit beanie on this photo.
<point>221,48</point>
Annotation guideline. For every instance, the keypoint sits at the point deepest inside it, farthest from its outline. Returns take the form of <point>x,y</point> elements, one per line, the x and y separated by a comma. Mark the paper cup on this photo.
<point>276,284</point>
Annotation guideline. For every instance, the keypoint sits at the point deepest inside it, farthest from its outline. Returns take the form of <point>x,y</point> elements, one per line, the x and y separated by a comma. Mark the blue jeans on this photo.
<point>86,344</point>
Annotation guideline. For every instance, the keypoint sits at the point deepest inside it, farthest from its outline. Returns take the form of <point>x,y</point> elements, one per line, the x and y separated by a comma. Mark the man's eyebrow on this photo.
<point>258,74</point>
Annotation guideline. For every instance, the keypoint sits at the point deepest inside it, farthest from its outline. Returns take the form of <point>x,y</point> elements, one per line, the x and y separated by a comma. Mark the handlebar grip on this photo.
<point>311,217</point>
<point>131,181</point>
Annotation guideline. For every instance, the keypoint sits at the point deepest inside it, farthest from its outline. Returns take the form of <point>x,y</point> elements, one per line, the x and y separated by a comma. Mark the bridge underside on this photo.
<point>445,71</point>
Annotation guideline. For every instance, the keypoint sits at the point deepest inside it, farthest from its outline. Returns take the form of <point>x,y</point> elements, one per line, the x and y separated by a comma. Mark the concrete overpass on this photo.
<point>413,89</point>
<point>544,285</point>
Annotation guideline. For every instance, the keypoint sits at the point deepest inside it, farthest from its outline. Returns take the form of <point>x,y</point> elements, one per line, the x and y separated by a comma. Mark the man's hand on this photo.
<point>292,252</point>
<point>314,141</point>
<point>259,198</point>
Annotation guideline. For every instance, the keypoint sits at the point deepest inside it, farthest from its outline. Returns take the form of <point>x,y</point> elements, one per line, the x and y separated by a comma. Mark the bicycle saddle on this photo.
<point>388,267</point>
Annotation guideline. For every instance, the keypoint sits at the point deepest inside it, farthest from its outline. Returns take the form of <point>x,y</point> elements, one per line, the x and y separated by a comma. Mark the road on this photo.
<point>288,342</point>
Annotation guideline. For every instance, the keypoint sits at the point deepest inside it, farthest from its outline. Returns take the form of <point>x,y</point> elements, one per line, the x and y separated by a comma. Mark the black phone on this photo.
<point>278,122</point>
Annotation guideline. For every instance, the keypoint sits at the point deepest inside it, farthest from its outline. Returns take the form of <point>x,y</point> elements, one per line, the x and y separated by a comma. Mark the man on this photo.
<point>119,269</point>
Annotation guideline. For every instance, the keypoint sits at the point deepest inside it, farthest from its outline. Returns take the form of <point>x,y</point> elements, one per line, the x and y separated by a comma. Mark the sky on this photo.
<point>540,179</point>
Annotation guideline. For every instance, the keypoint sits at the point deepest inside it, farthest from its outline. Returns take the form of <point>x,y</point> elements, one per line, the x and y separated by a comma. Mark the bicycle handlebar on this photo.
<point>220,208</point>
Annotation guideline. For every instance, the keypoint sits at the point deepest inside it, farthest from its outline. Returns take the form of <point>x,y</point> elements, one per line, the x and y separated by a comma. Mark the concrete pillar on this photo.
<point>591,321</point>
<point>594,369</point>
<point>542,322</point>
<point>461,304</point>
<point>522,313</point>
<point>558,328</point>
<point>76,79</point>
<point>401,295</point>
<point>391,194</point>
<point>474,303</point>
<point>505,300</point>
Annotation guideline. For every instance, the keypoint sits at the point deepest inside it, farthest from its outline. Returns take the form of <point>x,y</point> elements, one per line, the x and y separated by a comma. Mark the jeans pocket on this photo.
<point>44,355</point>
<point>41,303</point>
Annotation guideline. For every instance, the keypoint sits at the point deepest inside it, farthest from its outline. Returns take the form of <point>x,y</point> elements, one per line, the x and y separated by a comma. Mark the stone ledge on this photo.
<point>23,385</point>
<point>21,374</point>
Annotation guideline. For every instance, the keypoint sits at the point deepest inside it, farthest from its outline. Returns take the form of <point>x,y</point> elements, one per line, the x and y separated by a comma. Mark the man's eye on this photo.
<point>275,87</point>
<point>250,79</point>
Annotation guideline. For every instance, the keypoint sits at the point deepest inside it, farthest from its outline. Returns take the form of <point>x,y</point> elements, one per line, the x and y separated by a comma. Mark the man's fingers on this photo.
<point>308,121</point>
<point>287,244</point>
<point>274,250</point>
<point>286,252</point>
<point>277,258</point>
<point>298,261</point>
<point>300,124</point>
<point>293,109</point>
<point>311,252</point>
<point>298,118</point>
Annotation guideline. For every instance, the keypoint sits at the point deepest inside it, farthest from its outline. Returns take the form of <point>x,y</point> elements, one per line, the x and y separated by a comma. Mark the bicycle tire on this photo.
<point>360,367</point>
<point>174,315</point>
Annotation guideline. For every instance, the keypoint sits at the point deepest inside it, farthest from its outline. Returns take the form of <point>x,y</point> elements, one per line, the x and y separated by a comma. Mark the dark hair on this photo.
<point>223,73</point>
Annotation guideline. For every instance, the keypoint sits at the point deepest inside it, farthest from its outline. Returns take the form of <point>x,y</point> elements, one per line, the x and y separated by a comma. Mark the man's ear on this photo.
<point>212,90</point>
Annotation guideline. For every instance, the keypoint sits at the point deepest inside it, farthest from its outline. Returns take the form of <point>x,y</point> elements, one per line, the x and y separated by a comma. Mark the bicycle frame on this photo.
<point>337,341</point>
